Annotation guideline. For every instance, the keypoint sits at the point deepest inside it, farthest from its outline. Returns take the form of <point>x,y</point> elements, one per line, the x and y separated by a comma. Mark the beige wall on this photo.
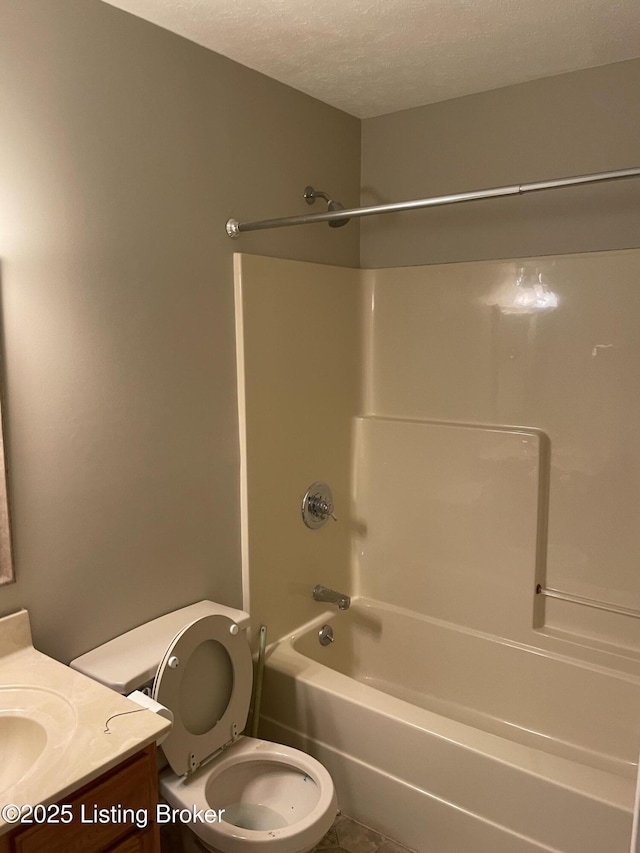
<point>300,369</point>
<point>124,149</point>
<point>587,121</point>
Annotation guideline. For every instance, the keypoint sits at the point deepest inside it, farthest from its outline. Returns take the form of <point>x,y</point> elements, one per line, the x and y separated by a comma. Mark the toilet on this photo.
<point>247,795</point>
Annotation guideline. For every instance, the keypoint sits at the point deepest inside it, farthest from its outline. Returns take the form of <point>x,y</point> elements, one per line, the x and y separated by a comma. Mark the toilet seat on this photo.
<point>205,678</point>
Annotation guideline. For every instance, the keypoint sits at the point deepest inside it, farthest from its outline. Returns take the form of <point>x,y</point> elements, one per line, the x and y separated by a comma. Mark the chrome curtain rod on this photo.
<point>235,228</point>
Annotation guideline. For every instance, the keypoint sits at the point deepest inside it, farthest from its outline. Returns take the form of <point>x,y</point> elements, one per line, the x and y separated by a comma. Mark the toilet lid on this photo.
<point>205,678</point>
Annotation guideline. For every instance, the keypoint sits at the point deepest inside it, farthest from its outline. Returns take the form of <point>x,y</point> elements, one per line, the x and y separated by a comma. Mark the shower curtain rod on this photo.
<point>235,228</point>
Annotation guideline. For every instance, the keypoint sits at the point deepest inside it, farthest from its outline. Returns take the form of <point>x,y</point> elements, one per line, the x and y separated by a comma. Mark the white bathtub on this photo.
<point>451,741</point>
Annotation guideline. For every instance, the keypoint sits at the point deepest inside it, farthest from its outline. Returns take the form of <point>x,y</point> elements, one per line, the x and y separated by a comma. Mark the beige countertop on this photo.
<point>90,728</point>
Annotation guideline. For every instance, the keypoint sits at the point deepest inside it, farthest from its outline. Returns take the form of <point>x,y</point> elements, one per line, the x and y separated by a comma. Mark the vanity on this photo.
<point>76,759</point>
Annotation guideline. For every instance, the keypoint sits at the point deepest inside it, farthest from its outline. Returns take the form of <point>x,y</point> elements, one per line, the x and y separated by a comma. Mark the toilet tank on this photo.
<point>130,661</point>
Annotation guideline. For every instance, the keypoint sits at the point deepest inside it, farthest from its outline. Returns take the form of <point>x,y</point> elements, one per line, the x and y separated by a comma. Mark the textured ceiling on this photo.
<point>370,57</point>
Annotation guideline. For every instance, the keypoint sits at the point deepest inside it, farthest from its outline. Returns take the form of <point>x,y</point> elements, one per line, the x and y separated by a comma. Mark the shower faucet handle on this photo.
<point>317,505</point>
<point>320,508</point>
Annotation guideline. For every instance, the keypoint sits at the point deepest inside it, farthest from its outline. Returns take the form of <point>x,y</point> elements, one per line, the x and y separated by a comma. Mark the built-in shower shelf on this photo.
<point>587,602</point>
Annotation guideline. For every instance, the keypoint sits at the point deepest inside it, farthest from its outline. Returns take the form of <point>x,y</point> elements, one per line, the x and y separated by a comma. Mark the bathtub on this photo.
<point>453,741</point>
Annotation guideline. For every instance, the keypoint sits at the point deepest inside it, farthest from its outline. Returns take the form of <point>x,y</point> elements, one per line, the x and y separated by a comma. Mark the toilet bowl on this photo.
<point>270,797</point>
<point>237,794</point>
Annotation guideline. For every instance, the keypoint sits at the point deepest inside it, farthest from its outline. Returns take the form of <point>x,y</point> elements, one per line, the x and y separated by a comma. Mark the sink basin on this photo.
<point>22,741</point>
<point>36,724</point>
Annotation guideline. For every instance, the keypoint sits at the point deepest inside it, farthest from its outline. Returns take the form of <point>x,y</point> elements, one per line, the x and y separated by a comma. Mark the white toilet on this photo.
<point>275,799</point>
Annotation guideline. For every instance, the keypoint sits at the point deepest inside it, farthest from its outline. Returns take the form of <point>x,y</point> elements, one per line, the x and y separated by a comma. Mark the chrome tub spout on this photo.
<point>323,593</point>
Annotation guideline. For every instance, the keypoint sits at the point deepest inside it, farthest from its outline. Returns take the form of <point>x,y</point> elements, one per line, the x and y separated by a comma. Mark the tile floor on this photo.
<point>345,836</point>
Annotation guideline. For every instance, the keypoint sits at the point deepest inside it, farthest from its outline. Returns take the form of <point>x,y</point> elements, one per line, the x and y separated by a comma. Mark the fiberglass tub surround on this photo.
<point>491,444</point>
<point>448,739</point>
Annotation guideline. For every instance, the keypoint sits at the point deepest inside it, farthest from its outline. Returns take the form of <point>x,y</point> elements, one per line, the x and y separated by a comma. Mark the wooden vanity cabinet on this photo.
<point>131,785</point>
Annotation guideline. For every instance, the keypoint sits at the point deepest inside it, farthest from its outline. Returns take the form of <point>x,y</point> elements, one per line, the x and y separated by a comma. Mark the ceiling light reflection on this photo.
<point>529,294</point>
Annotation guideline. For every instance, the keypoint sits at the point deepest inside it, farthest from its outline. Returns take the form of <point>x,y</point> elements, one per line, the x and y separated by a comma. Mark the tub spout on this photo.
<point>323,593</point>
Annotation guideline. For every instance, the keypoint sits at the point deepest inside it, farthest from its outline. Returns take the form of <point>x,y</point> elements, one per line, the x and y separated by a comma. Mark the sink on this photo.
<point>36,724</point>
<point>55,732</point>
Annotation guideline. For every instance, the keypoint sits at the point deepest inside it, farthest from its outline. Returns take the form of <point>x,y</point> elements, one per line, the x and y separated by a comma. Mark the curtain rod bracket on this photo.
<point>233,228</point>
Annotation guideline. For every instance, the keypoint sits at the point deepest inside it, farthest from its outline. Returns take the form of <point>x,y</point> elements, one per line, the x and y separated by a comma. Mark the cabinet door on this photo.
<point>141,842</point>
<point>114,808</point>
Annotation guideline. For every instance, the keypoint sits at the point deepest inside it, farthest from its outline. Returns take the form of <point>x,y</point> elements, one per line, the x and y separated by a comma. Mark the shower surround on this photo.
<point>475,422</point>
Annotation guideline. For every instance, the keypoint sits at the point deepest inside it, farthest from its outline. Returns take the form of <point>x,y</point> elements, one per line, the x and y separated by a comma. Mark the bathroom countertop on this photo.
<point>91,728</point>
